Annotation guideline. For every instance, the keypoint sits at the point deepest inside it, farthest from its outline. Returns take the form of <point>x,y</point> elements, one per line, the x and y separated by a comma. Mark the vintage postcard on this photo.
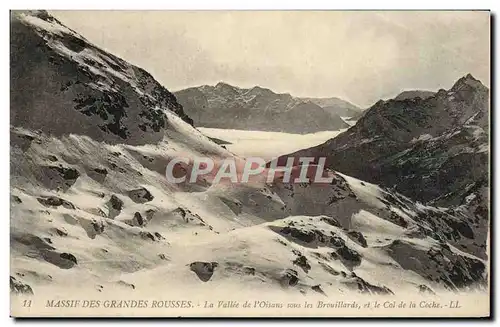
<point>250,163</point>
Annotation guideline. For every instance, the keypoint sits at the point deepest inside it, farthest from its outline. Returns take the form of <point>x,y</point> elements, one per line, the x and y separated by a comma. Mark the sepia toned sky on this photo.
<point>360,56</point>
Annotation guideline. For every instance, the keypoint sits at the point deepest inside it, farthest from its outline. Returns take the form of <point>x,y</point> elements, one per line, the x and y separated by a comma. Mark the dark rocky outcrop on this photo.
<point>424,289</point>
<point>115,206</point>
<point>349,257</point>
<point>54,201</point>
<point>358,238</point>
<point>290,277</point>
<point>58,177</point>
<point>301,261</point>
<point>18,287</point>
<point>62,260</point>
<point>204,270</point>
<point>455,271</point>
<point>140,195</point>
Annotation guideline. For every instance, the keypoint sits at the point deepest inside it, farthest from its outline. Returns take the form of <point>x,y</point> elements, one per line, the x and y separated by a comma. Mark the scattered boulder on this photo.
<point>249,270</point>
<point>290,278</point>
<point>115,206</point>
<point>68,256</point>
<point>138,219</point>
<point>150,214</point>
<point>424,289</point>
<point>358,238</point>
<point>301,261</point>
<point>317,288</point>
<point>98,174</point>
<point>58,177</point>
<point>204,270</point>
<point>348,257</point>
<point>15,199</point>
<point>54,201</point>
<point>125,284</point>
<point>140,195</point>
<point>62,260</point>
<point>92,227</point>
<point>331,221</point>
<point>147,235</point>
<point>61,231</point>
<point>159,236</point>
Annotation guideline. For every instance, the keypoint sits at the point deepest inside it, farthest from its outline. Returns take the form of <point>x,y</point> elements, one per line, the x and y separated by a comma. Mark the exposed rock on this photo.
<point>348,257</point>
<point>17,287</point>
<point>62,260</point>
<point>204,270</point>
<point>141,195</point>
<point>358,238</point>
<point>115,206</point>
<point>92,227</point>
<point>61,232</point>
<point>159,236</point>
<point>54,201</point>
<point>125,284</point>
<point>58,177</point>
<point>32,241</point>
<point>234,205</point>
<point>249,270</point>
<point>331,221</point>
<point>364,287</point>
<point>147,236</point>
<point>138,219</point>
<point>405,95</point>
<point>52,158</point>
<point>301,261</point>
<point>98,174</point>
<point>309,237</point>
<point>317,289</point>
<point>425,289</point>
<point>290,278</point>
<point>15,199</point>
<point>455,271</point>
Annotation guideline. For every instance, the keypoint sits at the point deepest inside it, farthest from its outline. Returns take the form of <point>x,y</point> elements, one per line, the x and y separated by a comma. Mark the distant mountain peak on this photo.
<point>467,81</point>
<point>261,90</point>
<point>412,94</point>
<point>260,108</point>
<point>224,85</point>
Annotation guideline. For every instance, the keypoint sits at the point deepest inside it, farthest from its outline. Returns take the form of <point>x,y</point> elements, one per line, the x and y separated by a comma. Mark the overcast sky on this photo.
<point>358,56</point>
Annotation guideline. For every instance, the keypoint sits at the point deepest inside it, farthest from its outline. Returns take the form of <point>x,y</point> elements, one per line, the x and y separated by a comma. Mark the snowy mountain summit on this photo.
<point>260,109</point>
